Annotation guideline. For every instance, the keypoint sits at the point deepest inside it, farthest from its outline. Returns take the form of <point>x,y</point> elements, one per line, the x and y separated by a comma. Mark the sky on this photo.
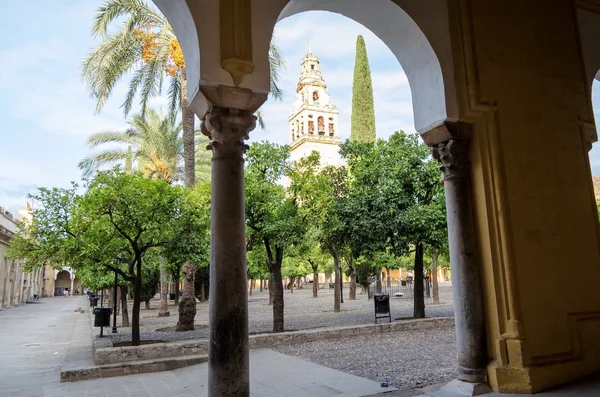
<point>47,113</point>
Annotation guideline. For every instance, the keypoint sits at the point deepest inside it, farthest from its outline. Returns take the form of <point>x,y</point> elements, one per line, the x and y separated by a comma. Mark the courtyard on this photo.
<point>302,312</point>
<point>37,339</point>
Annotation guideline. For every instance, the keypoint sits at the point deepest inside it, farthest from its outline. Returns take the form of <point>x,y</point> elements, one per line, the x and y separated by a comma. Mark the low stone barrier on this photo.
<point>103,354</point>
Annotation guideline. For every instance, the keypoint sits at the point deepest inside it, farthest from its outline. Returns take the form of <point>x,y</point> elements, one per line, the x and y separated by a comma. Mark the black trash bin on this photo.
<point>382,306</point>
<point>172,296</point>
<point>331,285</point>
<point>102,316</point>
<point>93,301</point>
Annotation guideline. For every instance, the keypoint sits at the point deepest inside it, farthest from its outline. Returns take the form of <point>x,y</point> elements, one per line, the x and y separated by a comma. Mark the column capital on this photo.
<point>227,128</point>
<point>588,132</point>
<point>453,155</point>
<point>448,129</point>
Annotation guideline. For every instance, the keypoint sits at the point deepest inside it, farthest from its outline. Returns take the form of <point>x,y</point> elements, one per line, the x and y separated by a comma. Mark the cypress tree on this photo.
<point>363,111</point>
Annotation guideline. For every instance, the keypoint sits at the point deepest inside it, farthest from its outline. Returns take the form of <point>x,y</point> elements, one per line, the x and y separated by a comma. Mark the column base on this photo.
<point>470,375</point>
<point>463,388</point>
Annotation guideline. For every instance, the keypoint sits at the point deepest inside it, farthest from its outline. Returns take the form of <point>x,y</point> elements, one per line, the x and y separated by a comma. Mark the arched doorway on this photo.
<point>62,283</point>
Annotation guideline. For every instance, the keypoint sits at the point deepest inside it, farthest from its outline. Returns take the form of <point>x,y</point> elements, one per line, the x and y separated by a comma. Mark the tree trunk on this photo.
<point>277,287</point>
<point>378,283</point>
<point>419,298</point>
<point>299,283</point>
<point>436,293</point>
<point>251,283</point>
<point>341,284</point>
<point>164,290</point>
<point>124,313</point>
<point>187,306</point>
<point>147,304</point>
<point>137,289</point>
<point>202,292</point>
<point>291,284</point>
<point>176,285</point>
<point>270,287</point>
<point>389,278</point>
<point>336,289</point>
<point>261,283</point>
<point>189,146</point>
<point>352,295</point>
<point>315,283</point>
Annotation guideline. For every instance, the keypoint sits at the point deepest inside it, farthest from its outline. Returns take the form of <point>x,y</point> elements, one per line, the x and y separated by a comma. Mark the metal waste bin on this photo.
<point>93,301</point>
<point>102,316</point>
<point>382,306</point>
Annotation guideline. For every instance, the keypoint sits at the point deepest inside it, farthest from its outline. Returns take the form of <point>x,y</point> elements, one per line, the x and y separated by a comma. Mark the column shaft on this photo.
<point>466,273</point>
<point>228,373</point>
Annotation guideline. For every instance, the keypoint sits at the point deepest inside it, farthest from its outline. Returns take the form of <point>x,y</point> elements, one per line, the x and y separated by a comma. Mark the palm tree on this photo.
<point>146,47</point>
<point>153,142</point>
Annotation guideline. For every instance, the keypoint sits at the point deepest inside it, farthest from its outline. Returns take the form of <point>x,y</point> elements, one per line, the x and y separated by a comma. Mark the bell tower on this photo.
<point>314,117</point>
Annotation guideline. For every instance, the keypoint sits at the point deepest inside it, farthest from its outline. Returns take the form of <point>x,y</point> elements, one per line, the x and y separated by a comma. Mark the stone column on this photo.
<point>228,372</point>
<point>466,274</point>
<point>72,282</point>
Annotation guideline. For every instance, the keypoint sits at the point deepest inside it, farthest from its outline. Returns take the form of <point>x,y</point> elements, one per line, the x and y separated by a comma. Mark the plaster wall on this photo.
<point>329,152</point>
<point>536,216</point>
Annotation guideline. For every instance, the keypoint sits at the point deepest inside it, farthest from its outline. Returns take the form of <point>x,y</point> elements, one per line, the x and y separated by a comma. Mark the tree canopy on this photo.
<point>363,111</point>
<point>118,224</point>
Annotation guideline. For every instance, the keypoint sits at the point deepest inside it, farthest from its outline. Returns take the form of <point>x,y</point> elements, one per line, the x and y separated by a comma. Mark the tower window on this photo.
<point>321,125</point>
<point>315,95</point>
<point>312,67</point>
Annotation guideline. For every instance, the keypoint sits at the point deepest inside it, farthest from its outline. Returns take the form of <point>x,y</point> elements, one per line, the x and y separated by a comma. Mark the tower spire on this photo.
<point>313,119</point>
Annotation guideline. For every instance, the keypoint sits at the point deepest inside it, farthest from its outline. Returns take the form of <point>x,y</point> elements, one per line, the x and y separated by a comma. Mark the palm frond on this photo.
<point>260,119</point>
<point>92,163</point>
<point>103,68</point>
<point>153,78</point>
<point>276,63</point>
<point>111,10</point>
<point>174,94</point>
<point>99,138</point>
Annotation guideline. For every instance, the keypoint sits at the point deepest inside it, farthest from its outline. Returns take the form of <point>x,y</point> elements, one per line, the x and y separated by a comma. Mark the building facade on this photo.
<point>16,285</point>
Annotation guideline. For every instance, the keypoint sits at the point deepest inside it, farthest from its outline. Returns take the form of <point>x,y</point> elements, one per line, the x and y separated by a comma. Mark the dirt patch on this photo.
<point>144,342</point>
<point>197,327</point>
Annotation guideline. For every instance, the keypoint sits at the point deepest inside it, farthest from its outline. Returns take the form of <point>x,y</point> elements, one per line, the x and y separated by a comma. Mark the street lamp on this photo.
<point>114,327</point>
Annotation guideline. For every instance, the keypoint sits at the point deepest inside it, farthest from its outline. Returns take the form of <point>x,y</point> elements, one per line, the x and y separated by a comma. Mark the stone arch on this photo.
<point>62,281</point>
<point>589,31</point>
<point>415,35</point>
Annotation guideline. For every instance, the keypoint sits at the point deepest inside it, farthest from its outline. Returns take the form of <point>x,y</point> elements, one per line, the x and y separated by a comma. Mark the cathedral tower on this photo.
<point>314,117</point>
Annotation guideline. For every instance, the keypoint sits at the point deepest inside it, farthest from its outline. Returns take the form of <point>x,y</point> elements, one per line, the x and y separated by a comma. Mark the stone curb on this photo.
<point>104,355</point>
<point>130,368</point>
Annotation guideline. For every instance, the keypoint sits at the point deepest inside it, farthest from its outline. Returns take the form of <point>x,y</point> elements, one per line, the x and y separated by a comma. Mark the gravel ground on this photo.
<point>407,359</point>
<point>302,311</point>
